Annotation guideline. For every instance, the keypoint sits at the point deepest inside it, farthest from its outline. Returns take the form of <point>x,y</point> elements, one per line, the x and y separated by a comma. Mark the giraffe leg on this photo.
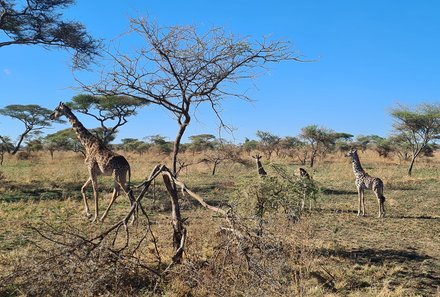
<point>116,191</point>
<point>359,201</point>
<point>95,194</point>
<point>363,202</point>
<point>83,192</point>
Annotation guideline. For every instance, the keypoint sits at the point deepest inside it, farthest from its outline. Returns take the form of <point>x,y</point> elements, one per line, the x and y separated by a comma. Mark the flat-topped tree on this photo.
<point>418,126</point>
<point>39,22</point>
<point>110,111</point>
<point>180,69</point>
<point>33,116</point>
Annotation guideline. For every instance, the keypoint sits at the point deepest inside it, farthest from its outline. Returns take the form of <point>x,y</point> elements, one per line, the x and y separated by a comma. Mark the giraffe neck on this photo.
<point>86,138</point>
<point>357,167</point>
<point>260,167</point>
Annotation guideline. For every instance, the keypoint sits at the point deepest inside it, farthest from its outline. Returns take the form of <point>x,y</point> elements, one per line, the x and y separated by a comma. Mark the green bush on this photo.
<point>279,192</point>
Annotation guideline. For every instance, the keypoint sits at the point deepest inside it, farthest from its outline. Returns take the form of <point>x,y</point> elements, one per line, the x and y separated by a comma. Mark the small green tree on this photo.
<point>283,192</point>
<point>159,144</point>
<point>34,145</point>
<point>249,145</point>
<point>34,118</point>
<point>201,142</point>
<point>319,140</point>
<point>134,145</point>
<point>63,140</point>
<point>419,126</point>
<point>268,142</point>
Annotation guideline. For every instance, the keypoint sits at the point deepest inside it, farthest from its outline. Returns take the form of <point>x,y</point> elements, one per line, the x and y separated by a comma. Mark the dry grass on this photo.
<point>331,252</point>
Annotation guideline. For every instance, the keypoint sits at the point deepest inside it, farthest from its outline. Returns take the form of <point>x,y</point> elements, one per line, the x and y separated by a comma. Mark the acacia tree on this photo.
<point>180,69</point>
<point>202,142</point>
<point>34,118</point>
<point>63,140</point>
<point>39,22</point>
<point>268,142</point>
<point>418,126</point>
<point>318,139</point>
<point>110,111</point>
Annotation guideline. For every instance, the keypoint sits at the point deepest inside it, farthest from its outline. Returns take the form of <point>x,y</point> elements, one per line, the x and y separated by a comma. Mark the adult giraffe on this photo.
<point>100,160</point>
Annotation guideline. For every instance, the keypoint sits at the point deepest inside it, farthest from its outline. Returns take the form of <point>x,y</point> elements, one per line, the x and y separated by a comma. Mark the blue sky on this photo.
<point>370,56</point>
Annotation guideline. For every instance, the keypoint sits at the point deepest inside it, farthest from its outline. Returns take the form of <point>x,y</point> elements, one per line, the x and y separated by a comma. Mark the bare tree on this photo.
<point>180,69</point>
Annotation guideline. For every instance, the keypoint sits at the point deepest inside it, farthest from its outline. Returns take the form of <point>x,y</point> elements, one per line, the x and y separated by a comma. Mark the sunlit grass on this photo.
<point>395,256</point>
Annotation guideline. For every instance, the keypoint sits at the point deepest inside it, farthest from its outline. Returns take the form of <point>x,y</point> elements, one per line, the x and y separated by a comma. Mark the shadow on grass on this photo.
<point>419,271</point>
<point>376,256</point>
<point>34,191</point>
<point>422,217</point>
<point>336,210</point>
<point>328,191</point>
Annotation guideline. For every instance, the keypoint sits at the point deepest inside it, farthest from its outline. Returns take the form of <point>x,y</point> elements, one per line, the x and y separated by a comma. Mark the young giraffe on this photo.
<point>260,168</point>
<point>365,181</point>
<point>99,160</point>
<point>305,175</point>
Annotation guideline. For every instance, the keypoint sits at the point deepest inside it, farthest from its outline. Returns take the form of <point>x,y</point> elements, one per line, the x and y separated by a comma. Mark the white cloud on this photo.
<point>7,71</point>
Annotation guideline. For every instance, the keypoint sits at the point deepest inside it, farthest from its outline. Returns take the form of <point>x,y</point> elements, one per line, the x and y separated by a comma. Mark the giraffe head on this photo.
<point>351,153</point>
<point>257,157</point>
<point>59,111</point>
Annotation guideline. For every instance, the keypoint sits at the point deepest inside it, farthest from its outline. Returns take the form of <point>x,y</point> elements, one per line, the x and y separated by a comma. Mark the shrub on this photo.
<point>284,192</point>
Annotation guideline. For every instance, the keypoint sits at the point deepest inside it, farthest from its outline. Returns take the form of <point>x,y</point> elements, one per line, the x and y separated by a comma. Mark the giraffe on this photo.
<point>100,160</point>
<point>260,168</point>
<point>305,175</point>
<point>365,181</point>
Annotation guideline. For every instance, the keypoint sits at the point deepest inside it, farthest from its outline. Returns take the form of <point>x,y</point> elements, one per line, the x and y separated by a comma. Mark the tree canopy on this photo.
<point>34,117</point>
<point>110,111</point>
<point>419,126</point>
<point>39,22</point>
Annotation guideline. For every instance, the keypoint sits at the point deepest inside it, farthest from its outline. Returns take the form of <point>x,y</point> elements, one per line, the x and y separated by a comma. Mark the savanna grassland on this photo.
<point>329,252</point>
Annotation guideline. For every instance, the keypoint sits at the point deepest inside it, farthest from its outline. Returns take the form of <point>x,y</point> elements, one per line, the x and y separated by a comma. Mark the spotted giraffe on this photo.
<point>304,173</point>
<point>260,168</point>
<point>100,160</point>
<point>365,181</point>
<point>306,176</point>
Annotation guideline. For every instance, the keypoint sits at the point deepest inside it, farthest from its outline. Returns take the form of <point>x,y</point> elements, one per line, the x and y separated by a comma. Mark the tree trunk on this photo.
<point>182,128</point>
<point>312,160</point>
<point>178,229</point>
<point>413,160</point>
<point>17,147</point>
<point>411,166</point>
<point>215,167</point>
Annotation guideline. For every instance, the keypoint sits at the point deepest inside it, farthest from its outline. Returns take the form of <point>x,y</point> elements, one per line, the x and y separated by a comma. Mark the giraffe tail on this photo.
<point>129,177</point>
